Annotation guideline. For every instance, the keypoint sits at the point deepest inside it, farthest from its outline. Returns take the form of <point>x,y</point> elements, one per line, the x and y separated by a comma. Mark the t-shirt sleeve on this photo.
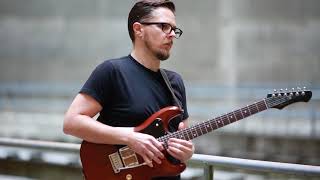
<point>99,83</point>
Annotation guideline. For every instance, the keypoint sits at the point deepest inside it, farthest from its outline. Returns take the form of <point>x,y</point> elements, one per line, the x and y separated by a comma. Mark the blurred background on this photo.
<point>232,53</point>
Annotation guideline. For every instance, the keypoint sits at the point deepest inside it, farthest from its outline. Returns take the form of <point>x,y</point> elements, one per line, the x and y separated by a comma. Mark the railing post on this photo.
<point>208,172</point>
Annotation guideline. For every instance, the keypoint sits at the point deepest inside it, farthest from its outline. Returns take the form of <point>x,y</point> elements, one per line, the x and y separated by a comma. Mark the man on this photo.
<point>128,90</point>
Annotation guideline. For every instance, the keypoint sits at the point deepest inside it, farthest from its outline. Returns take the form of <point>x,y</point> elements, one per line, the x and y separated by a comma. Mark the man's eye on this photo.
<point>166,27</point>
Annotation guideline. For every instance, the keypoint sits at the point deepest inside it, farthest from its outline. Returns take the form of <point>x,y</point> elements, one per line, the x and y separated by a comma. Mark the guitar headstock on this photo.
<point>282,98</point>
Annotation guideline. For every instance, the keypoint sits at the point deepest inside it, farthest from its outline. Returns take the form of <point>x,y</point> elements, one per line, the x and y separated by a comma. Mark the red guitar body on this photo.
<point>97,164</point>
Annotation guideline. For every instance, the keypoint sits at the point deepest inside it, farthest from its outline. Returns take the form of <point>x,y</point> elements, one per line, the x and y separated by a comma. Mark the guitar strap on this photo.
<point>173,127</point>
<point>166,79</point>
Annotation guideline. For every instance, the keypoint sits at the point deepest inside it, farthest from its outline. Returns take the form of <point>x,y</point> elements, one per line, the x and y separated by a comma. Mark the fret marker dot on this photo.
<point>231,117</point>
<point>194,135</point>
<point>245,111</point>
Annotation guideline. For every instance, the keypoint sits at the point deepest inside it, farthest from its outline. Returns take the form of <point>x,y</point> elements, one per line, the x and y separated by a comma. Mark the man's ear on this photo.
<point>137,29</point>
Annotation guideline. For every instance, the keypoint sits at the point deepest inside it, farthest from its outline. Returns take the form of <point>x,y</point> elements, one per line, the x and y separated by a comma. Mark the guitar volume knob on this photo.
<point>128,177</point>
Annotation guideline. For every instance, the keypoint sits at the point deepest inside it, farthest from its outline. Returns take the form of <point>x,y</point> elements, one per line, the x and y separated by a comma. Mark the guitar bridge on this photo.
<point>116,162</point>
<point>126,158</point>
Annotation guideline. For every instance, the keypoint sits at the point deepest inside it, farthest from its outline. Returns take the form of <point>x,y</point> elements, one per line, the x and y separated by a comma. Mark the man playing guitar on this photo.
<point>127,90</point>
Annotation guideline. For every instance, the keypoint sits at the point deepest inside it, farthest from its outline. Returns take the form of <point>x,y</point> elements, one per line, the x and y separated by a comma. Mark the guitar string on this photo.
<point>260,105</point>
<point>188,131</point>
<point>272,101</point>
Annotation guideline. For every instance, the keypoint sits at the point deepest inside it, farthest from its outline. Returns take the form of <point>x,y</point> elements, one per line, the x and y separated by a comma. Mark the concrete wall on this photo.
<point>232,52</point>
<point>227,42</point>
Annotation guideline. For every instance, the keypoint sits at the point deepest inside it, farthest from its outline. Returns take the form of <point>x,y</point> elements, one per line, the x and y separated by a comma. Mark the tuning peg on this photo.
<point>281,90</point>
<point>274,90</point>
<point>297,94</point>
<point>292,89</point>
<point>291,94</point>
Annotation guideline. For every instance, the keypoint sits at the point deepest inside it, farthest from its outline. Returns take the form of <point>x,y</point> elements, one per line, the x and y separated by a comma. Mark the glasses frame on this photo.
<point>177,31</point>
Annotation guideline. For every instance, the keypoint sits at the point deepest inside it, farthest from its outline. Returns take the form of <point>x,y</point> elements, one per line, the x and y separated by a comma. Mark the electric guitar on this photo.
<point>118,162</point>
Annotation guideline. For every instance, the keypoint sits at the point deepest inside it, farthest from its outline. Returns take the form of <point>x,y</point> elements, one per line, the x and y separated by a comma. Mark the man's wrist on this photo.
<point>125,135</point>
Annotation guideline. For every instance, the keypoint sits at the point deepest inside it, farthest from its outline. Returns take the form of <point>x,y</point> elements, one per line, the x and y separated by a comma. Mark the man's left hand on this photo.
<point>179,148</point>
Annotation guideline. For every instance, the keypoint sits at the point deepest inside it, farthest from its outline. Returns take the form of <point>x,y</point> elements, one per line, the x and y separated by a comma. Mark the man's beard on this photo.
<point>161,54</point>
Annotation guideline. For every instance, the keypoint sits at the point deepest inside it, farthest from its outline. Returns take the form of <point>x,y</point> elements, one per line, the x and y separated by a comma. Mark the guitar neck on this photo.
<point>215,123</point>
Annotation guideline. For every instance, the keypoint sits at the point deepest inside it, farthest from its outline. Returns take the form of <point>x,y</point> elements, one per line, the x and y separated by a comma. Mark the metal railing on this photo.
<point>208,162</point>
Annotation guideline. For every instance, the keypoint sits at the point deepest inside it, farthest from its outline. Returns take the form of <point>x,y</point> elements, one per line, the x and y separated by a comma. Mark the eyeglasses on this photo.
<point>166,28</point>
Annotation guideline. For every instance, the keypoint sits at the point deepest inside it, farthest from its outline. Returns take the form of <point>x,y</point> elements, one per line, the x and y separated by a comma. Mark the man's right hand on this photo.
<point>146,146</point>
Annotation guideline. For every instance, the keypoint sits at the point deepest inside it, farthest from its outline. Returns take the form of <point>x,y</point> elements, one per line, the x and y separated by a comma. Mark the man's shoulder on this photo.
<point>114,63</point>
<point>172,75</point>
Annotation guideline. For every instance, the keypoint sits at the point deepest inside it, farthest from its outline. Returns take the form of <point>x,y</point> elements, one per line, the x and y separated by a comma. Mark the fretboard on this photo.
<point>215,123</point>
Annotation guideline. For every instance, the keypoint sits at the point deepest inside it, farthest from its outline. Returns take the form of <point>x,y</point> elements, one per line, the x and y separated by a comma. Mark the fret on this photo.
<point>189,132</point>
<point>213,124</point>
<point>238,115</point>
<point>228,118</point>
<point>245,112</point>
<point>185,132</point>
<point>165,139</point>
<point>262,106</point>
<point>194,134</point>
<point>257,107</point>
<point>224,119</point>
<point>200,129</point>
<point>160,139</point>
<point>265,103</point>
<point>241,113</point>
<point>180,135</point>
<point>170,135</point>
<point>208,125</point>
<point>216,123</point>
<point>232,117</point>
<point>249,109</point>
<point>203,126</point>
<point>219,121</point>
<point>210,122</point>
<point>253,109</point>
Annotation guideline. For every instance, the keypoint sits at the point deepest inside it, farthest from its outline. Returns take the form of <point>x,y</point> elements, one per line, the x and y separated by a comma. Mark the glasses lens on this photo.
<point>166,28</point>
<point>178,32</point>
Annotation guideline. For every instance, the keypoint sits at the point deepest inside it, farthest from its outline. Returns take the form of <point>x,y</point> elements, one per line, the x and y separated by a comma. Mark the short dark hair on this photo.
<point>142,10</point>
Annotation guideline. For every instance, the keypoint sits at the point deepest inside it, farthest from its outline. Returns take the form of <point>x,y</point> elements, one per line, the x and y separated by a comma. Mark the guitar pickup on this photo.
<point>128,156</point>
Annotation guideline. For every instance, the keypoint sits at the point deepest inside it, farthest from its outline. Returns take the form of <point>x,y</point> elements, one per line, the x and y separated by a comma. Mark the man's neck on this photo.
<point>146,59</point>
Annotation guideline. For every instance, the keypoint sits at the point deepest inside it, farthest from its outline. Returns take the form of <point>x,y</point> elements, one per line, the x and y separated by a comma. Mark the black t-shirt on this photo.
<point>130,93</point>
